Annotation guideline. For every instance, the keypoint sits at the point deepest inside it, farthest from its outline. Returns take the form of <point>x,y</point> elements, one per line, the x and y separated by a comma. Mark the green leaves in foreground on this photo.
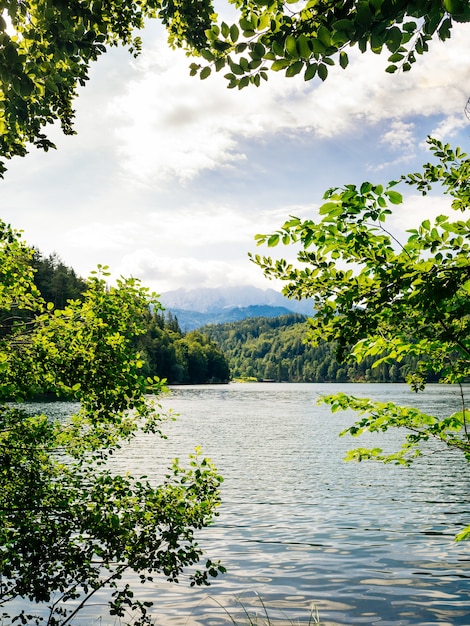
<point>69,525</point>
<point>380,298</point>
<point>308,38</point>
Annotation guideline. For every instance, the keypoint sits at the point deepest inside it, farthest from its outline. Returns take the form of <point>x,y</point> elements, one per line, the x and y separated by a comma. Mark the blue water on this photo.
<point>363,543</point>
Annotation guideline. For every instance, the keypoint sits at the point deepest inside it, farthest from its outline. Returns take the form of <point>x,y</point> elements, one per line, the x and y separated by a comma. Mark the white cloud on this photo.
<point>173,127</point>
<point>164,273</point>
<point>416,208</point>
<point>102,236</point>
<point>158,184</point>
<point>400,136</point>
<point>449,127</point>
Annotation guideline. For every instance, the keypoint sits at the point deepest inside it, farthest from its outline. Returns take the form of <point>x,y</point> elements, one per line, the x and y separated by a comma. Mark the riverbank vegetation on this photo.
<point>181,358</point>
<point>165,350</point>
<point>69,526</point>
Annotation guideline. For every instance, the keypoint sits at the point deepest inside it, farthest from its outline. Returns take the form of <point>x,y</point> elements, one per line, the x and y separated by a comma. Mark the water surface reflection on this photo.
<point>368,544</point>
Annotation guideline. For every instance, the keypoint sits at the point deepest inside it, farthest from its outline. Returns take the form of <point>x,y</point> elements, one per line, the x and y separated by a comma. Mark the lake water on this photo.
<point>364,543</point>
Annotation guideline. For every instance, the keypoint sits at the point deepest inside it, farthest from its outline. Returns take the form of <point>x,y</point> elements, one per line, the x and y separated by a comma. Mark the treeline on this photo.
<point>274,349</point>
<point>56,282</point>
<point>166,351</point>
<point>180,357</point>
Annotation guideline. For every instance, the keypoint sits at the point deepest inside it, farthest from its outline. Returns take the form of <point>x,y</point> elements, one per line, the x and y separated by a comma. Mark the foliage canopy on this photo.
<point>69,526</point>
<point>377,297</point>
<point>312,35</point>
<point>46,47</point>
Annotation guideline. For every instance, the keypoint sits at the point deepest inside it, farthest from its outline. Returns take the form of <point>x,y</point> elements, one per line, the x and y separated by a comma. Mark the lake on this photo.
<point>364,543</point>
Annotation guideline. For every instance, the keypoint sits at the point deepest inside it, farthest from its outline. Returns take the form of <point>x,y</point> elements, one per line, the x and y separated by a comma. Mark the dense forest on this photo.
<point>166,351</point>
<point>180,357</point>
<point>274,349</point>
<point>56,282</point>
<point>257,348</point>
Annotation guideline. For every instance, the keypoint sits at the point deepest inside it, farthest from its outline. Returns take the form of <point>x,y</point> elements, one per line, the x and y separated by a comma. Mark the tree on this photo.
<point>70,526</point>
<point>56,282</point>
<point>310,36</point>
<point>275,348</point>
<point>180,358</point>
<point>46,51</point>
<point>377,297</point>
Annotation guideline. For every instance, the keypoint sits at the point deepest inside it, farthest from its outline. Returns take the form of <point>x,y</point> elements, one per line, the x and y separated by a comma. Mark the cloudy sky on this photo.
<point>169,178</point>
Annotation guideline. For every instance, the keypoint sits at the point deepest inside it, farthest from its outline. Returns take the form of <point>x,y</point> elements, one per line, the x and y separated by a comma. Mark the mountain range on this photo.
<point>197,307</point>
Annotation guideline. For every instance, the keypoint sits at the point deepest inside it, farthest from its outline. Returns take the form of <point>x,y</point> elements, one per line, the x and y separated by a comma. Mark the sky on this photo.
<point>169,177</point>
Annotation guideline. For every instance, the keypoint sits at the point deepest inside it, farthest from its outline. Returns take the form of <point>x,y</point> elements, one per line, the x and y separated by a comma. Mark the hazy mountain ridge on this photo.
<point>218,305</point>
<point>191,320</point>
<point>210,299</point>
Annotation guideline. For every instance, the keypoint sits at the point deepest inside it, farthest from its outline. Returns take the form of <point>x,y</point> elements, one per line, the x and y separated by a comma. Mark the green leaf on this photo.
<point>236,69</point>
<point>221,46</point>
<point>394,196</point>
<point>444,29</point>
<point>258,51</point>
<point>205,72</point>
<point>344,25</point>
<point>396,58</point>
<point>323,34</point>
<point>291,46</point>
<point>207,55</point>
<point>463,534</point>
<point>317,46</point>
<point>280,64</point>
<point>303,47</point>
<point>241,47</point>
<point>219,64</point>
<point>453,6</point>
<point>294,69</point>
<point>393,39</point>
<point>245,24</point>
<point>322,71</point>
<point>343,60</point>
<point>234,33</point>
<point>330,208</point>
<point>311,71</point>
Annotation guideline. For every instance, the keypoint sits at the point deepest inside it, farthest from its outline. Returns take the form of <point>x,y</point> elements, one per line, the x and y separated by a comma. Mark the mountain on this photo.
<point>191,320</point>
<point>197,307</point>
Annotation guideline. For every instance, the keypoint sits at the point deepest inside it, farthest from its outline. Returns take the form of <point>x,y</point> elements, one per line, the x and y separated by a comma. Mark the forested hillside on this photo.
<point>273,349</point>
<point>56,282</point>
<point>166,351</point>
<point>178,357</point>
<point>260,348</point>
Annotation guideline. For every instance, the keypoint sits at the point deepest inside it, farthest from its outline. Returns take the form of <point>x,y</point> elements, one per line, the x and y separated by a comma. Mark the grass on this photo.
<point>250,618</point>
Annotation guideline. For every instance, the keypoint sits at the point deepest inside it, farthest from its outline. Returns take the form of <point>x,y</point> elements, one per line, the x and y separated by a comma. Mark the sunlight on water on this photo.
<point>365,543</point>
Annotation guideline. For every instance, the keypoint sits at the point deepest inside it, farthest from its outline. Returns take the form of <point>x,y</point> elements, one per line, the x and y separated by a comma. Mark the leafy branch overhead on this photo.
<point>46,47</point>
<point>310,36</point>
